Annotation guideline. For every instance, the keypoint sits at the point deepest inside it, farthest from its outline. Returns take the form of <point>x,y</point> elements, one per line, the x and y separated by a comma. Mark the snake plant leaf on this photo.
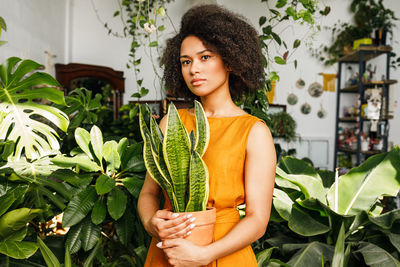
<point>198,184</point>
<point>202,129</point>
<point>80,206</point>
<point>375,256</point>
<point>192,139</point>
<point>16,219</point>
<point>82,138</point>
<point>18,249</point>
<point>96,139</point>
<point>83,161</point>
<point>176,149</point>
<point>110,150</point>
<point>153,166</point>
<point>104,184</point>
<point>116,203</point>
<point>19,112</point>
<point>156,134</point>
<point>310,186</point>
<point>311,255</point>
<point>48,256</point>
<point>99,212</point>
<point>90,234</point>
<point>359,189</point>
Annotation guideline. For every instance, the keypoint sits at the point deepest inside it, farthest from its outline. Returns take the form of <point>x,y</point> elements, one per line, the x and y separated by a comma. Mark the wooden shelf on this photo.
<point>354,88</point>
<point>372,52</point>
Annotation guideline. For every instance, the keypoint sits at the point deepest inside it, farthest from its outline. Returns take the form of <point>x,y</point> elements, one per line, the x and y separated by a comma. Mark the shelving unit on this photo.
<point>360,57</point>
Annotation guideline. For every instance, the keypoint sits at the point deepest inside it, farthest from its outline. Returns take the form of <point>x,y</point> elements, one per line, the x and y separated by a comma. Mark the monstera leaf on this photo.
<point>21,115</point>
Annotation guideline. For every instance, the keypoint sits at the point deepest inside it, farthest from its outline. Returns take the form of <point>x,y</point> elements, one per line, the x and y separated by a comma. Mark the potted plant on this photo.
<point>282,125</point>
<point>173,160</point>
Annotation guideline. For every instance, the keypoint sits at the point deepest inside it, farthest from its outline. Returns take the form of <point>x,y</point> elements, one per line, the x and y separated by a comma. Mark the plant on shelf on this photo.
<point>3,26</point>
<point>325,218</point>
<point>282,125</point>
<point>174,160</point>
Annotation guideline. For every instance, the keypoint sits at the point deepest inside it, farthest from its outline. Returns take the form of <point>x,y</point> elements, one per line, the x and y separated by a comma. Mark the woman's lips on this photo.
<point>197,82</point>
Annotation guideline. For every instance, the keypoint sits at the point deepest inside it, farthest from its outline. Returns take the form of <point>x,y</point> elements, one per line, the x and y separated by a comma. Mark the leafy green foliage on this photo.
<point>20,111</point>
<point>324,225</point>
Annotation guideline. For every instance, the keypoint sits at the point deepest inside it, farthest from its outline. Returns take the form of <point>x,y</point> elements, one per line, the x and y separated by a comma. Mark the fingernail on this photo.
<point>192,226</point>
<point>188,233</point>
<point>175,215</point>
<point>189,215</point>
<point>192,220</point>
<point>159,244</point>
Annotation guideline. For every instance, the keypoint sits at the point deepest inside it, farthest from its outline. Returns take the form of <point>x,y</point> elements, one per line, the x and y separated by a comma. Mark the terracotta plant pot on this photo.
<point>202,234</point>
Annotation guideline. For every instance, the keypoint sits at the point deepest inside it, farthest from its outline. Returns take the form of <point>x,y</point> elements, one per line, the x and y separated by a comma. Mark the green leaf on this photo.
<point>282,203</point>
<point>74,241</point>
<point>291,12</point>
<point>83,161</point>
<point>82,138</point>
<point>264,256</point>
<point>19,90</point>
<point>96,138</point>
<point>161,28</point>
<point>375,256</point>
<point>90,234</point>
<point>296,43</point>
<point>104,184</point>
<point>99,212</point>
<point>11,196</point>
<point>202,129</point>
<point>132,161</point>
<point>153,44</point>
<point>67,257</point>
<point>262,20</point>
<point>304,224</point>
<point>280,3</point>
<point>110,150</point>
<point>48,256</point>
<point>80,206</point>
<point>133,185</point>
<point>360,188</point>
<point>3,24</point>
<point>124,228</point>
<point>15,220</point>
<point>338,256</point>
<point>93,254</point>
<point>310,255</point>
<point>18,249</point>
<point>176,150</point>
<point>116,203</point>
<point>386,220</point>
<point>17,235</point>
<point>280,60</point>
<point>276,38</point>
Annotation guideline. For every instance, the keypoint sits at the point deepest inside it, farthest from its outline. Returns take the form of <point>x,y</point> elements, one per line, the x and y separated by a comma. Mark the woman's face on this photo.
<point>202,68</point>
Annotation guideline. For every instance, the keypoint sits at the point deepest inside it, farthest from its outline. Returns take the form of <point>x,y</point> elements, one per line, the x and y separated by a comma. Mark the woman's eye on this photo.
<point>185,62</point>
<point>205,57</point>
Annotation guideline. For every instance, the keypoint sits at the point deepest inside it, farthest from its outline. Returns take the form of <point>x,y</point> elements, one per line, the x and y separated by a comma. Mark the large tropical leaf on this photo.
<point>21,115</point>
<point>360,188</point>
<point>74,241</point>
<point>18,249</point>
<point>116,203</point>
<point>12,195</point>
<point>40,167</point>
<point>90,234</point>
<point>309,185</point>
<point>338,256</point>
<point>304,223</point>
<point>124,228</point>
<point>14,220</point>
<point>375,256</point>
<point>176,150</point>
<point>311,255</point>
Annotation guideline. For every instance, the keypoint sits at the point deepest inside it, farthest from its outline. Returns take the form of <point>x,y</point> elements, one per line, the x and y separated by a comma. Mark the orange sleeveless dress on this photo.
<point>225,158</point>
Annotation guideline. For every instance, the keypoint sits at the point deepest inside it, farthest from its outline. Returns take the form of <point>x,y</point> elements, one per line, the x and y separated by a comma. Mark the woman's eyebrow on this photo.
<point>198,53</point>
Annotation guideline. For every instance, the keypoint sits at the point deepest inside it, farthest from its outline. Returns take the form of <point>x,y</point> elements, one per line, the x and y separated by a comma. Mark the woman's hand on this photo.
<point>184,253</point>
<point>166,225</point>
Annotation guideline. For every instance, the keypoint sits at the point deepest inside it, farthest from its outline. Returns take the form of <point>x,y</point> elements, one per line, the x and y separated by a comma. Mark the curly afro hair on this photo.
<point>235,40</point>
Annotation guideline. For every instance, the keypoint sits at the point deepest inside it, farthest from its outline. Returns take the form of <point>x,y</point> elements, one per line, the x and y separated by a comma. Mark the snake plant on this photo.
<point>174,159</point>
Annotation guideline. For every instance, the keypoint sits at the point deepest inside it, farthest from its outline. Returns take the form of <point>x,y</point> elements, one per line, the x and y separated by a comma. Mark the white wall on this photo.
<point>32,28</point>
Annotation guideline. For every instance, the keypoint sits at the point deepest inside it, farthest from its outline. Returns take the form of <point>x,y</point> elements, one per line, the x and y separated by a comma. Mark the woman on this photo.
<point>216,57</point>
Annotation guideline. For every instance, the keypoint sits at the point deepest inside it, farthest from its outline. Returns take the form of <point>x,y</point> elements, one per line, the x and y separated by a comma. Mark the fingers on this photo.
<point>168,243</point>
<point>166,215</point>
<point>176,228</point>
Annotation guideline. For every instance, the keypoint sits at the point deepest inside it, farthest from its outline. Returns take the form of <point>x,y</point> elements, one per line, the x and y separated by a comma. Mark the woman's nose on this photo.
<point>195,67</point>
